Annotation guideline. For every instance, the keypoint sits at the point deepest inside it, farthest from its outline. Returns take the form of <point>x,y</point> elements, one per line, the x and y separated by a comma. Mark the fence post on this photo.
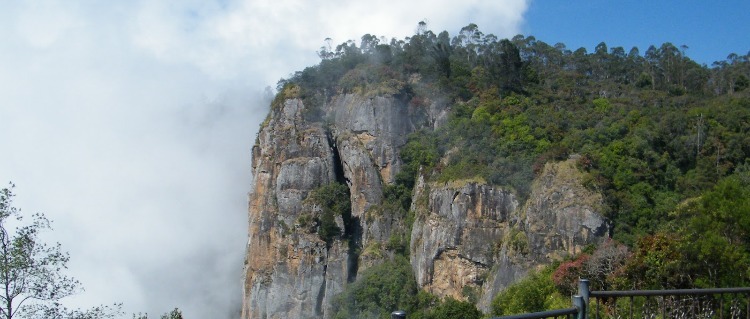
<point>578,303</point>
<point>398,314</point>
<point>583,291</point>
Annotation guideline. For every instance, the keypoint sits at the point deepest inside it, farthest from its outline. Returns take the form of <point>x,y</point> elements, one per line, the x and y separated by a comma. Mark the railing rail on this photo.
<point>673,303</point>
<point>667,305</point>
<point>568,312</point>
<point>675,292</point>
<point>577,311</point>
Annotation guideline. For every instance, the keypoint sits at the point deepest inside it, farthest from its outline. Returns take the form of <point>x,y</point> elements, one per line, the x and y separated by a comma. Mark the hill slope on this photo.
<point>453,167</point>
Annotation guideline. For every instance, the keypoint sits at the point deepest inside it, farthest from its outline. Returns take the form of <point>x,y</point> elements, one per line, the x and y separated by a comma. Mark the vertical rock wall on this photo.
<point>469,240</point>
<point>284,276</point>
<point>290,272</point>
<point>457,234</point>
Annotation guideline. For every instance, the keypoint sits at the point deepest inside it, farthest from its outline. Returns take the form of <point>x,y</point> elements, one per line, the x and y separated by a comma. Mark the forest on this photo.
<point>665,139</point>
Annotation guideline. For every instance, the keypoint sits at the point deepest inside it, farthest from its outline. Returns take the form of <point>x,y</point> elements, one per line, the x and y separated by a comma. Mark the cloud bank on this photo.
<point>130,123</point>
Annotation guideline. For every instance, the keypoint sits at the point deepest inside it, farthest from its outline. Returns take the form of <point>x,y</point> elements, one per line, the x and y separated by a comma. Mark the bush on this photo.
<point>333,200</point>
<point>453,309</point>
<point>534,293</point>
<point>378,291</point>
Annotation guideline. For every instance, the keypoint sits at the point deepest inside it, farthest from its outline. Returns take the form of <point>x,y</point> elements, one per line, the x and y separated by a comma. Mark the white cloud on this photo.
<point>129,123</point>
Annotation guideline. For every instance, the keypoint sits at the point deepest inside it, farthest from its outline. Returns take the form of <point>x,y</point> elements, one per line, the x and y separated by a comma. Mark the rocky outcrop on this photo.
<point>472,240</point>
<point>562,216</point>
<point>283,272</point>
<point>290,272</point>
<point>455,239</point>
<point>469,239</point>
<point>369,133</point>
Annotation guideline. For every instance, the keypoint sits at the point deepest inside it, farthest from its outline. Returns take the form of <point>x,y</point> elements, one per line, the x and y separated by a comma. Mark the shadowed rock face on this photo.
<point>455,239</point>
<point>469,238</point>
<point>290,272</point>
<point>475,239</point>
<point>283,269</point>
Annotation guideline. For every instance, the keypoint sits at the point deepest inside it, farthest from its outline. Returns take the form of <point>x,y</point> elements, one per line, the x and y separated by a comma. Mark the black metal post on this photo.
<point>398,314</point>
<point>578,303</point>
<point>583,291</point>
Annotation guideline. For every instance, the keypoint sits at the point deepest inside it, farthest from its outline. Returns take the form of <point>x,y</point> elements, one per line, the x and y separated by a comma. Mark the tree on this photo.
<point>333,201</point>
<point>510,66</point>
<point>31,281</point>
<point>534,293</point>
<point>174,314</point>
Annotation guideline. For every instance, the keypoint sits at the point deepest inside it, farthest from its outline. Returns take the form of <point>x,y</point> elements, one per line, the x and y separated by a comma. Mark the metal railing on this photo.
<point>560,313</point>
<point>577,311</point>
<point>677,303</point>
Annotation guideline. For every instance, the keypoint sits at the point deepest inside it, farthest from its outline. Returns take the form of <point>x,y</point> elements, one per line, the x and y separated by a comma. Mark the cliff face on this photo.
<point>290,272</point>
<point>283,269</point>
<point>457,235</point>
<point>469,240</point>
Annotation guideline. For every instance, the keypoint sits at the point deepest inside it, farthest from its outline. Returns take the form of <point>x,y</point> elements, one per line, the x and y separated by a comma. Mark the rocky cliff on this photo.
<point>472,239</point>
<point>469,239</point>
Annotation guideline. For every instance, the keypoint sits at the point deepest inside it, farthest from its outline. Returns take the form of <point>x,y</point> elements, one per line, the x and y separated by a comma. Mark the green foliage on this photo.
<point>31,271</point>
<point>534,293</point>
<point>657,133</point>
<point>420,151</point>
<point>372,80</point>
<point>706,244</point>
<point>601,105</point>
<point>383,288</point>
<point>454,309</point>
<point>174,314</point>
<point>378,291</point>
<point>333,201</point>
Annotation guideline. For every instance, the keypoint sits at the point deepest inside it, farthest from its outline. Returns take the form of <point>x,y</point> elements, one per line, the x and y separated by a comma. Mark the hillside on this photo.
<point>433,173</point>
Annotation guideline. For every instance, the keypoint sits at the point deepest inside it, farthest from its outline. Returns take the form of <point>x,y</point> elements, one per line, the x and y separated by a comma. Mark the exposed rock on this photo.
<point>369,133</point>
<point>469,240</point>
<point>474,238</point>
<point>379,124</point>
<point>562,216</point>
<point>286,269</point>
<point>458,233</point>
<point>289,271</point>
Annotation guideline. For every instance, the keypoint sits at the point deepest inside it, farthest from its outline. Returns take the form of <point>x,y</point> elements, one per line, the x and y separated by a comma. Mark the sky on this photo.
<point>130,123</point>
<point>710,29</point>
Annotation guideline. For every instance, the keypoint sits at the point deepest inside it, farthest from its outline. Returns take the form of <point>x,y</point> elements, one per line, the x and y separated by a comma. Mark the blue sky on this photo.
<point>711,29</point>
<point>130,123</point>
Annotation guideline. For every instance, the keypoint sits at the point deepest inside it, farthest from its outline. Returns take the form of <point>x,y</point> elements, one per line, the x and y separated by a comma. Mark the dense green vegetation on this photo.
<point>391,285</point>
<point>664,139</point>
<point>333,201</point>
<point>537,292</point>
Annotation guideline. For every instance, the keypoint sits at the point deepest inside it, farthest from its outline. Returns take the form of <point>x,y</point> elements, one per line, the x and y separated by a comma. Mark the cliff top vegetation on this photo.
<point>664,139</point>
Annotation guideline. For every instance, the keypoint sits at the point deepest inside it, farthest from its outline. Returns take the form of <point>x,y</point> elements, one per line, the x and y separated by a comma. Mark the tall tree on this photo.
<point>510,65</point>
<point>31,281</point>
